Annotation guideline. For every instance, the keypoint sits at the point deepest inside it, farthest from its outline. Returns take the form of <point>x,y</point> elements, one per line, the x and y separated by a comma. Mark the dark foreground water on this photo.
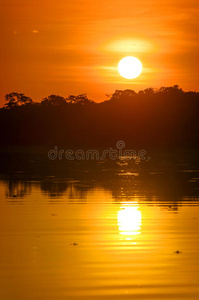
<point>99,230</point>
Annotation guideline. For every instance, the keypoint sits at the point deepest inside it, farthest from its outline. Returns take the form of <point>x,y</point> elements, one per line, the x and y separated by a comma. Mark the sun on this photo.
<point>130,67</point>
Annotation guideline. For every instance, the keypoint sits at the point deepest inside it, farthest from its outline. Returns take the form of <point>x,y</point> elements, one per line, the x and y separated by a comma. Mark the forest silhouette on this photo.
<point>164,117</point>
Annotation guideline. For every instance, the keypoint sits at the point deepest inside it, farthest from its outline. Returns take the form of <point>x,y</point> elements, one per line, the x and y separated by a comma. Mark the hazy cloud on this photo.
<point>35,31</point>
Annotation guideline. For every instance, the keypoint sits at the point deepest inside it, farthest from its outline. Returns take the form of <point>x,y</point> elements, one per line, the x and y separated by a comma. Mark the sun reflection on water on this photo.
<point>129,221</point>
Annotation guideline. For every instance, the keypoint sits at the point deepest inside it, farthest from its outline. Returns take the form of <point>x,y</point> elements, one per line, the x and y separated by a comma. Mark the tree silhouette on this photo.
<point>79,99</point>
<point>167,116</point>
<point>119,94</point>
<point>148,92</point>
<point>16,99</point>
<point>172,90</point>
<point>53,100</point>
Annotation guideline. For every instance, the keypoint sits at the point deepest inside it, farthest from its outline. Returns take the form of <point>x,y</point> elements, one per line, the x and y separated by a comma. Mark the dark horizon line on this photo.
<point>147,91</point>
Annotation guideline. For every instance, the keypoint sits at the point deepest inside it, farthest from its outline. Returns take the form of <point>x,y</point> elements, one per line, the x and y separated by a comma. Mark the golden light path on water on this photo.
<point>129,220</point>
<point>83,244</point>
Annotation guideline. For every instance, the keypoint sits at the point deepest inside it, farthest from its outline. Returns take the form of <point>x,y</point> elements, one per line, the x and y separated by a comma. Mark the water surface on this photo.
<point>112,230</point>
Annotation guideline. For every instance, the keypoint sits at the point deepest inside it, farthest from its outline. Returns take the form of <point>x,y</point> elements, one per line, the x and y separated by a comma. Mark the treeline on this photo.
<point>165,117</point>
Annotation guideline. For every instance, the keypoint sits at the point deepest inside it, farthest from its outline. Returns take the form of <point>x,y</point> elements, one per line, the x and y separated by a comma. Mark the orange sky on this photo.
<point>71,47</point>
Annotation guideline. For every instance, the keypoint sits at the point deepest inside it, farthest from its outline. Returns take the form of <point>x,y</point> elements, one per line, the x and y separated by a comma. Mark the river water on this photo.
<point>106,230</point>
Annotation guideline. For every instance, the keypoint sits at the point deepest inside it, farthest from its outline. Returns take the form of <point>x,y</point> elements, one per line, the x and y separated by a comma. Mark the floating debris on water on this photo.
<point>177,252</point>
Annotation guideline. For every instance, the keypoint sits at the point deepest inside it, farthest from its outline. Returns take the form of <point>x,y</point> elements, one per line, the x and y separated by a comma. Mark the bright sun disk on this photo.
<point>130,67</point>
